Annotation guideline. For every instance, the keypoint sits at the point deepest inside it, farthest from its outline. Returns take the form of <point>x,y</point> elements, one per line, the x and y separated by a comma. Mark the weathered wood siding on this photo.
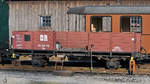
<point>135,2</point>
<point>25,15</point>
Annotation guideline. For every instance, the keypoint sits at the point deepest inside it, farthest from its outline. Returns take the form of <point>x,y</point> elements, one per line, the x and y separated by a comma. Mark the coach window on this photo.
<point>45,21</point>
<point>131,24</point>
<point>101,24</point>
<point>26,37</point>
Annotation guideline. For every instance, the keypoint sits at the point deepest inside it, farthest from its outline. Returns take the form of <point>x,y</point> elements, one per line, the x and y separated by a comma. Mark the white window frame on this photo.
<point>45,21</point>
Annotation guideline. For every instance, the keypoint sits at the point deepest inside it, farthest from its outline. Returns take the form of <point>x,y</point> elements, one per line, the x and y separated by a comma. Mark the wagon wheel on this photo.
<point>112,64</point>
<point>37,61</point>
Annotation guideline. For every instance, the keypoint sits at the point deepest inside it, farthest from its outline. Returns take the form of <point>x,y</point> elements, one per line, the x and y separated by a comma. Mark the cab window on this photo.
<point>131,24</point>
<point>101,24</point>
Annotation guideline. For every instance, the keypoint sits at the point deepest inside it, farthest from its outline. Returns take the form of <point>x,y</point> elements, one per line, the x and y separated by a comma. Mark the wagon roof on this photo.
<point>109,10</point>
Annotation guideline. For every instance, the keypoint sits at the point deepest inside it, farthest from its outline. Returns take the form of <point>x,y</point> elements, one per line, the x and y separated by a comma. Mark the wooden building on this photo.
<point>52,14</point>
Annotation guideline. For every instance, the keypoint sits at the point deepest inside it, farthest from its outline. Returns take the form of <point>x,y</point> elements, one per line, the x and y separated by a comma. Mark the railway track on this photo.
<point>142,70</point>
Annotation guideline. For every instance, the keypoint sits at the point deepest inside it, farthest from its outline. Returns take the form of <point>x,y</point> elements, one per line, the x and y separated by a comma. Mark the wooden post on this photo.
<point>62,62</point>
<point>91,69</point>
<point>55,65</point>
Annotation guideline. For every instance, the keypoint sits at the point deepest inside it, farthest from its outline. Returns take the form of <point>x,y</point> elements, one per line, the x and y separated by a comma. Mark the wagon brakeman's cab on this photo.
<point>117,19</point>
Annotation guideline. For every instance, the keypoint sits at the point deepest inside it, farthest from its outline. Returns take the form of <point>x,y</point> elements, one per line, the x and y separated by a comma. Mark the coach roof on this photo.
<point>109,10</point>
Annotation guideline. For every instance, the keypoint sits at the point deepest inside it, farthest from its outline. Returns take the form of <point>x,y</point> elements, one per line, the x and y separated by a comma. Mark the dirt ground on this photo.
<point>140,69</point>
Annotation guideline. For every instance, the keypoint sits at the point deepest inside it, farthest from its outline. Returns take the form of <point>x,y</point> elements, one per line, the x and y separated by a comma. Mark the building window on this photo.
<point>131,24</point>
<point>26,37</point>
<point>101,24</point>
<point>45,21</point>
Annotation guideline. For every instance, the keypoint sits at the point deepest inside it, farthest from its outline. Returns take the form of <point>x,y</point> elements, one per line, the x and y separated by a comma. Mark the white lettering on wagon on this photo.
<point>43,46</point>
<point>18,41</point>
<point>43,37</point>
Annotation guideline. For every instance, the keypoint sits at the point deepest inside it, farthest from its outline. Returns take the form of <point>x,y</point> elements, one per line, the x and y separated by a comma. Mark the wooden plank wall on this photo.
<point>25,15</point>
<point>135,2</point>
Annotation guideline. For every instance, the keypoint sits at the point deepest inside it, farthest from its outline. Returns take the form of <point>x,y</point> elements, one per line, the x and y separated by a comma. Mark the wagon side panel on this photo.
<point>72,40</point>
<point>43,40</point>
<point>23,40</point>
<point>100,41</point>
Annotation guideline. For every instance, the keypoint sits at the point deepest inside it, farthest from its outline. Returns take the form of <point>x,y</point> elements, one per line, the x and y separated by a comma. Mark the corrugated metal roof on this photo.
<point>110,10</point>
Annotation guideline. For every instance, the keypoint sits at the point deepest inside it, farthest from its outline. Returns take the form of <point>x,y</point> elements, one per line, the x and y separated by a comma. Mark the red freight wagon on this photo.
<point>102,42</point>
<point>113,45</point>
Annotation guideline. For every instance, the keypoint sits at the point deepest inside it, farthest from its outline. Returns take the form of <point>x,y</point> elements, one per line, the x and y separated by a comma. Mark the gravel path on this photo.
<point>16,77</point>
